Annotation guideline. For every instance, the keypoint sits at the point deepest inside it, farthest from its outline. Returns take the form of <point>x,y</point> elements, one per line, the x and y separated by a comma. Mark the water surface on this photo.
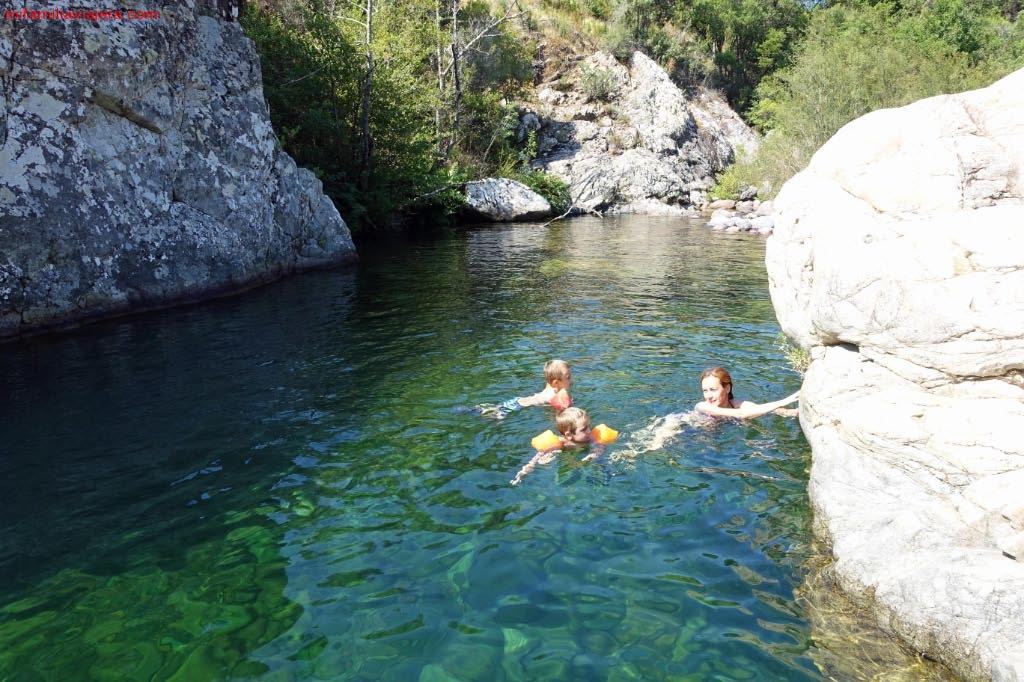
<point>287,484</point>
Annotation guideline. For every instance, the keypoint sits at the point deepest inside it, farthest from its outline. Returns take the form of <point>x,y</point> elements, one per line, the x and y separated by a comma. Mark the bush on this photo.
<point>550,187</point>
<point>853,60</point>
<point>597,83</point>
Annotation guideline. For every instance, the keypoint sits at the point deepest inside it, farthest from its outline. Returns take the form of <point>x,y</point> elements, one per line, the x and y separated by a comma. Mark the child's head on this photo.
<point>719,373</point>
<point>574,424</point>
<point>557,371</point>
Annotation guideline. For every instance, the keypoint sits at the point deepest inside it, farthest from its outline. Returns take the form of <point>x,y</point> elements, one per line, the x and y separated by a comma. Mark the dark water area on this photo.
<point>289,485</point>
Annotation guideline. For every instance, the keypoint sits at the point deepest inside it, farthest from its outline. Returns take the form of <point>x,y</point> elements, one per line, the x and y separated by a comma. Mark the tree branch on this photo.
<point>570,210</point>
<point>485,33</point>
<point>437,191</point>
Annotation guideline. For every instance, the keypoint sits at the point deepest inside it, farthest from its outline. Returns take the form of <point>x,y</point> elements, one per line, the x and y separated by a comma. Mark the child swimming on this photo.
<point>557,378</point>
<point>574,426</point>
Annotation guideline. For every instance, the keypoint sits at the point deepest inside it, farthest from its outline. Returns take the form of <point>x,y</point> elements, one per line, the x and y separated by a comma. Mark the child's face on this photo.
<point>579,434</point>
<point>715,393</point>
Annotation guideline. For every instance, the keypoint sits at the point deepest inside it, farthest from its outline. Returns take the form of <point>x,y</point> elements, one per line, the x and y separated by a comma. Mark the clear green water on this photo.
<point>281,486</point>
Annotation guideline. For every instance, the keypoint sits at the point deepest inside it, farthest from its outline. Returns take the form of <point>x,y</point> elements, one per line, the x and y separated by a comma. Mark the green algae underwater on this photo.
<point>292,485</point>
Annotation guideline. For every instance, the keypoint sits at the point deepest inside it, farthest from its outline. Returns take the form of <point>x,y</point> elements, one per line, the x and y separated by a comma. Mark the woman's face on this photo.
<point>715,392</point>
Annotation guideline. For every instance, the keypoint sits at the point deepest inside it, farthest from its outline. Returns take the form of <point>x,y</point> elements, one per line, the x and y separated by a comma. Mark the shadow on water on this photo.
<point>288,485</point>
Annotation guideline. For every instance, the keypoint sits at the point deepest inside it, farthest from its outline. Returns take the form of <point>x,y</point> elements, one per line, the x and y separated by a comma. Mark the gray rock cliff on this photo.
<point>138,168</point>
<point>644,146</point>
<point>897,261</point>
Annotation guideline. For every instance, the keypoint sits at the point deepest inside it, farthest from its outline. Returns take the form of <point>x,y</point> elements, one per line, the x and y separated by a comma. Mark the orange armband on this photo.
<point>561,400</point>
<point>546,441</point>
<point>603,433</point>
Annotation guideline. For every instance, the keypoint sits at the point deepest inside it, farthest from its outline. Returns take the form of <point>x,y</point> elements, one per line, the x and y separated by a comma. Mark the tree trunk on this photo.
<point>367,93</point>
<point>456,81</point>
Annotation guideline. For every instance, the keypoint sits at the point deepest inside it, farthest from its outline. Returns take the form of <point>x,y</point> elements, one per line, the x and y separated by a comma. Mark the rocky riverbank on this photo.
<point>897,263</point>
<point>150,178</point>
<point>626,139</point>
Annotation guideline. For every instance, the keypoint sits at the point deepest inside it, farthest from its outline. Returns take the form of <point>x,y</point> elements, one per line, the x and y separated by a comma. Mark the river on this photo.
<point>292,484</point>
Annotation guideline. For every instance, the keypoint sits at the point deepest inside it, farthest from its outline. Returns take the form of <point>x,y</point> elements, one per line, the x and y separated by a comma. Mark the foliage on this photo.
<point>796,70</point>
<point>310,77</point>
<point>500,60</point>
<point>549,186</point>
<point>798,358</point>
<point>747,39</point>
<point>731,181</point>
<point>315,60</point>
<point>597,83</point>
<point>728,44</point>
<point>854,59</point>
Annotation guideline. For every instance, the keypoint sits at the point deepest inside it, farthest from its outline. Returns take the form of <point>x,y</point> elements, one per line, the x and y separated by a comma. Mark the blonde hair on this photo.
<point>555,369</point>
<point>720,373</point>
<point>571,419</point>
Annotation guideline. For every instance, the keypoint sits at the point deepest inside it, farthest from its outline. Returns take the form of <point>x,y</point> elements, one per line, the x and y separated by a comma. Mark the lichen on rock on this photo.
<point>139,168</point>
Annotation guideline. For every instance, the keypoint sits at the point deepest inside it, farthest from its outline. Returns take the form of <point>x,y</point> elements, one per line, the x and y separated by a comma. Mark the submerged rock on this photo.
<point>148,178</point>
<point>898,262</point>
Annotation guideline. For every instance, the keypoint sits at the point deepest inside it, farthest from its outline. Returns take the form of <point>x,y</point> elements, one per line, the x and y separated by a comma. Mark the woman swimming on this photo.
<point>716,385</point>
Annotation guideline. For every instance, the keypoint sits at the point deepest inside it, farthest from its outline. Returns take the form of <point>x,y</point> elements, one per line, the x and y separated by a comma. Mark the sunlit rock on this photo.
<point>625,138</point>
<point>504,200</point>
<point>897,261</point>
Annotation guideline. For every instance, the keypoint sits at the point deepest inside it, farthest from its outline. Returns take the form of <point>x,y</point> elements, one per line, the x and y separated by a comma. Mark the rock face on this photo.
<point>644,146</point>
<point>138,168</point>
<point>504,200</point>
<point>898,262</point>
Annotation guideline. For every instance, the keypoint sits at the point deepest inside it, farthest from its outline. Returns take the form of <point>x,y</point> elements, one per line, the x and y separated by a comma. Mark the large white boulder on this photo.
<point>897,261</point>
<point>504,200</point>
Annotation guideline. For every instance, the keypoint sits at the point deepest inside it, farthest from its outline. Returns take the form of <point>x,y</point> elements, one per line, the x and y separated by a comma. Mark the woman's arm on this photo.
<point>747,409</point>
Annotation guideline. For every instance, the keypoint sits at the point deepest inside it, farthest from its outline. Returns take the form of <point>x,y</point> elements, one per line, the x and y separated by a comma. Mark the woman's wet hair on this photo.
<point>720,373</point>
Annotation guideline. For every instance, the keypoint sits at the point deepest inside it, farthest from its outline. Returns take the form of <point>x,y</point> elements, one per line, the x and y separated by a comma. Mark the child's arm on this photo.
<point>596,452</point>
<point>541,398</point>
<point>530,466</point>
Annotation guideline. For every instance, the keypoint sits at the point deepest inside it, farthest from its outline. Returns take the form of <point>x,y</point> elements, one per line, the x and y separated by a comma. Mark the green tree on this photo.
<point>747,39</point>
<point>854,58</point>
<point>373,95</point>
<point>310,78</point>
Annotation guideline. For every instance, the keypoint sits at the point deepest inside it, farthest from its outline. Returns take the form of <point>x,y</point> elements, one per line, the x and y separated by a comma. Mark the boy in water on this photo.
<point>558,379</point>
<point>574,425</point>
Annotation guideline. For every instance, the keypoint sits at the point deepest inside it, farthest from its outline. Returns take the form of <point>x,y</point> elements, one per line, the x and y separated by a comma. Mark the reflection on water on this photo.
<point>287,485</point>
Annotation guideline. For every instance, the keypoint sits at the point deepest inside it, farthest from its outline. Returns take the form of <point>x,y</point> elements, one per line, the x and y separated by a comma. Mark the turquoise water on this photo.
<point>286,485</point>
